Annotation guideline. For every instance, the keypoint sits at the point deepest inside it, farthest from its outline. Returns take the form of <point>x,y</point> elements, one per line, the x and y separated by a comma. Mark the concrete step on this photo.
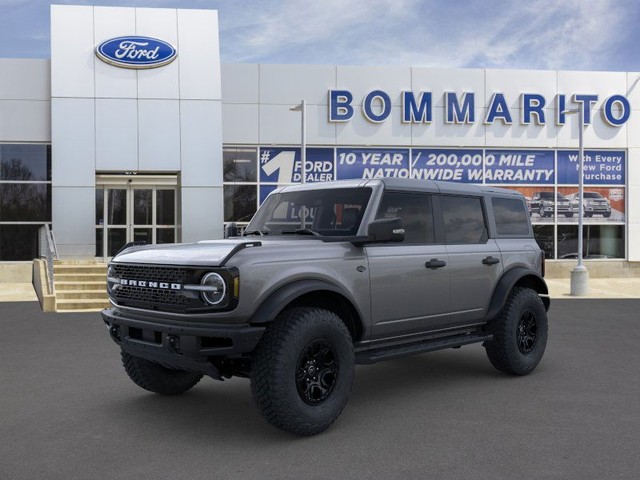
<point>63,286</point>
<point>80,277</point>
<point>87,305</point>
<point>77,262</point>
<point>79,269</point>
<point>82,294</point>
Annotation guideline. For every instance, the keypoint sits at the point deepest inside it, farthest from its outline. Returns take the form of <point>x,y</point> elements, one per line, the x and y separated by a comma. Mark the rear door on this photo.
<point>409,280</point>
<point>475,262</point>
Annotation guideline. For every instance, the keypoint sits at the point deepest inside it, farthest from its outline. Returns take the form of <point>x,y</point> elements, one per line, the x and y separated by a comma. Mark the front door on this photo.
<point>409,280</point>
<point>135,211</point>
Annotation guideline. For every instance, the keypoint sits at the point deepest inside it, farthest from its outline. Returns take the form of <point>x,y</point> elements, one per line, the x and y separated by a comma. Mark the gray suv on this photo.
<point>327,276</point>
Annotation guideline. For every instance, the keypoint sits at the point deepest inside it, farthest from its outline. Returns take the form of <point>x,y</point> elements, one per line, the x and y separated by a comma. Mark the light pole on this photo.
<point>580,274</point>
<point>302,107</point>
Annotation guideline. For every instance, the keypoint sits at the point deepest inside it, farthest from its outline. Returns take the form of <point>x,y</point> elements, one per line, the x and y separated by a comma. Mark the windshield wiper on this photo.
<point>255,232</point>
<point>301,231</point>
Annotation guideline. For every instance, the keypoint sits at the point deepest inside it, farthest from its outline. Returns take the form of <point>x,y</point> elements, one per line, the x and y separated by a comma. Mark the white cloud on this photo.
<point>547,34</point>
<point>536,34</point>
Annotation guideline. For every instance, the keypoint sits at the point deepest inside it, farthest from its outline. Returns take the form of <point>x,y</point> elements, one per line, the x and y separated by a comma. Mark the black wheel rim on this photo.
<point>527,332</point>
<point>316,372</point>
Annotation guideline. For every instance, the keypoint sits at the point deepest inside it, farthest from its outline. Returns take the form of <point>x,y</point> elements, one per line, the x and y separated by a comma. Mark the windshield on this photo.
<point>549,196</point>
<point>324,212</point>
<point>592,195</point>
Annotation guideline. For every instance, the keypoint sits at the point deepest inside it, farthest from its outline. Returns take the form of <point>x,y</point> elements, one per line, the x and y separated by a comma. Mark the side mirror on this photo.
<point>386,230</point>
<point>231,230</point>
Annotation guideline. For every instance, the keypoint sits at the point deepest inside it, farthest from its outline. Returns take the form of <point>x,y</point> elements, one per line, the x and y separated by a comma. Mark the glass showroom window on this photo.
<point>25,199</point>
<point>240,184</point>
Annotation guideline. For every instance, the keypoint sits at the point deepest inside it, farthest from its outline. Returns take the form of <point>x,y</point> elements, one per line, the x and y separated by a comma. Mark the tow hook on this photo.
<point>174,343</point>
<point>114,331</point>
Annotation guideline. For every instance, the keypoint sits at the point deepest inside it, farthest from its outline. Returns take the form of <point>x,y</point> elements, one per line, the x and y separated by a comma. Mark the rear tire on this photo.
<point>157,379</point>
<point>519,333</point>
<point>302,370</point>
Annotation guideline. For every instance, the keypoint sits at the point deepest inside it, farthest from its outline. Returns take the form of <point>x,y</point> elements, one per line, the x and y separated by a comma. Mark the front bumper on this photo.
<point>184,346</point>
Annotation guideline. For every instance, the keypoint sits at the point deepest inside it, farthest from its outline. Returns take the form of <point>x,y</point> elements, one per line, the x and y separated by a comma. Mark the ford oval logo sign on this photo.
<point>136,52</point>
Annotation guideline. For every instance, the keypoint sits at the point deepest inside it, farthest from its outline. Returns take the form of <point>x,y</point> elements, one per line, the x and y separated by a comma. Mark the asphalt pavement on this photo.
<point>68,411</point>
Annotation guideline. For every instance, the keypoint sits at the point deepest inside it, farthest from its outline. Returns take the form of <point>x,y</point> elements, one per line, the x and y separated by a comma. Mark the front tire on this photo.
<point>519,333</point>
<point>542,212</point>
<point>157,379</point>
<point>302,371</point>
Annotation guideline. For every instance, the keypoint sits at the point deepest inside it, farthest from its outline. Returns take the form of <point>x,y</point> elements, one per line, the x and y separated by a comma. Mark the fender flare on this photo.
<point>506,284</point>
<point>279,299</point>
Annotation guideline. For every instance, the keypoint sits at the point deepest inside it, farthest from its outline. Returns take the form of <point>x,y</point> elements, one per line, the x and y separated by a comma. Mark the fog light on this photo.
<point>114,331</point>
<point>214,288</point>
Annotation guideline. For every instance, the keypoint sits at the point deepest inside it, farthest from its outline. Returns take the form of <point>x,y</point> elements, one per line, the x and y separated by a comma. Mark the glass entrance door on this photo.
<point>128,213</point>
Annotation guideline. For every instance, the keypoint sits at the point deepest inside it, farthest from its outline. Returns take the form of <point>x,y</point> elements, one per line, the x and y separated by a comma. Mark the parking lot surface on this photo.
<point>68,411</point>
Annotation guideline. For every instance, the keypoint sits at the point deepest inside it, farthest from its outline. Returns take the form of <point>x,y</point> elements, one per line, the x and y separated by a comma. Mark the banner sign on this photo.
<point>519,166</point>
<point>372,163</point>
<point>463,166</point>
<point>283,165</point>
<point>601,167</point>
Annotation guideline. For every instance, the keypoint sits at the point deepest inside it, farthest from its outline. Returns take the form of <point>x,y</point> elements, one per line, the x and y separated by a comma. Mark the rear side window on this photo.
<point>463,219</point>
<point>511,216</point>
<point>415,211</point>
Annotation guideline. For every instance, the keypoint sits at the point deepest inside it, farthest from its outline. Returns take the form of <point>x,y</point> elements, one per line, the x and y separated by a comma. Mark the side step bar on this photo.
<point>364,357</point>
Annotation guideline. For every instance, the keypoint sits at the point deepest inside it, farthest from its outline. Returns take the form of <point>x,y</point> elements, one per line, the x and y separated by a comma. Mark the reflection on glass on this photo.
<point>143,235</point>
<point>165,235</point>
<point>239,164</point>
<point>239,202</point>
<point>25,162</point>
<point>25,202</point>
<point>463,219</point>
<point>117,206</point>
<point>599,241</point>
<point>165,207</point>
<point>99,242</point>
<point>142,207</point>
<point>18,242</point>
<point>100,206</point>
<point>545,238</point>
<point>116,239</point>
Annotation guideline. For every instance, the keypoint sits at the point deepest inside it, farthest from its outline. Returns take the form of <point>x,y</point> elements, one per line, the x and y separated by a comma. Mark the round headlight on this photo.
<point>215,288</point>
<point>110,273</point>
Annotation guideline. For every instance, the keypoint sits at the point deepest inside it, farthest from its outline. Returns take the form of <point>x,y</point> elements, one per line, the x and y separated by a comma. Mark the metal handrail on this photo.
<point>48,250</point>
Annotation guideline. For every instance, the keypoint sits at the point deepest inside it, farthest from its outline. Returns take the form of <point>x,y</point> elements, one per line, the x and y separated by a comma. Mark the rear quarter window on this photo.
<point>511,216</point>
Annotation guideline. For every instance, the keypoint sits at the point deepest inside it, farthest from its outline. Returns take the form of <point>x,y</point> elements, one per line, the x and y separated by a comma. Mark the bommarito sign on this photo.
<point>459,108</point>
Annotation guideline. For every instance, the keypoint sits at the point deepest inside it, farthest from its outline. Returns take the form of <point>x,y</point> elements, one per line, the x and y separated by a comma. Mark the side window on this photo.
<point>415,211</point>
<point>511,216</point>
<point>463,219</point>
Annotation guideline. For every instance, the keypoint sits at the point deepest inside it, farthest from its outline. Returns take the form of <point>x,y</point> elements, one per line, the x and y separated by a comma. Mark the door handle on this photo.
<point>490,260</point>
<point>435,263</point>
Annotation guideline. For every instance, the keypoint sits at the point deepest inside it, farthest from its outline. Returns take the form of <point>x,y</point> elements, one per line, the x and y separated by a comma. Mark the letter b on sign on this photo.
<point>340,109</point>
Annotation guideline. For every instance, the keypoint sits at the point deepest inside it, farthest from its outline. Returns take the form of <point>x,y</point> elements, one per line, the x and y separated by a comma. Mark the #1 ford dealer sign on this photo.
<point>136,52</point>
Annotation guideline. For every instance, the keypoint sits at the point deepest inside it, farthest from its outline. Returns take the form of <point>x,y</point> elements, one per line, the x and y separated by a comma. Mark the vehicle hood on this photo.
<point>207,253</point>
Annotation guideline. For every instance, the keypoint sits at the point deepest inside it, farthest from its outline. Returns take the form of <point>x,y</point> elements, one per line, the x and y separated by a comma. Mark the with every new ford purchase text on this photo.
<point>326,276</point>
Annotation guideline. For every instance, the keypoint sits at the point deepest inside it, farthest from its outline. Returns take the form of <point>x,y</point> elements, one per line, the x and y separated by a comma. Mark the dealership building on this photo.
<point>134,131</point>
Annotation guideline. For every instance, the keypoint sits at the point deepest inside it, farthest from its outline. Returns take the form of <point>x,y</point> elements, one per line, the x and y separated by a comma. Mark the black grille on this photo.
<point>151,273</point>
<point>150,298</point>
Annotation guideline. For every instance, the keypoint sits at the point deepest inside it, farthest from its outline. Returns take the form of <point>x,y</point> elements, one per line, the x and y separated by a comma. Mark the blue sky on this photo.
<point>532,34</point>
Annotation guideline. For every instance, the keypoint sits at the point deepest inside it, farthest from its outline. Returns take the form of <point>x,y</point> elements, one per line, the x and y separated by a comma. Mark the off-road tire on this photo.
<point>275,370</point>
<point>503,350</point>
<point>156,378</point>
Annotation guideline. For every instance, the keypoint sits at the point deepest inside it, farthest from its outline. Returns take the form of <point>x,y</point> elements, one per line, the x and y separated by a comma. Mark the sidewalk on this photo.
<point>558,288</point>
<point>17,292</point>
<point>598,288</point>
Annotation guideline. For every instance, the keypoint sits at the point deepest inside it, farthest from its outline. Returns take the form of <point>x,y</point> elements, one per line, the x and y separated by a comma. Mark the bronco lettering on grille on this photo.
<point>150,284</point>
